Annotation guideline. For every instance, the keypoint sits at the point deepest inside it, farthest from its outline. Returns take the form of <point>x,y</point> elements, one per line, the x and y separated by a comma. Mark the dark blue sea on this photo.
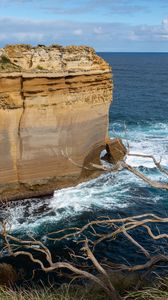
<point>138,114</point>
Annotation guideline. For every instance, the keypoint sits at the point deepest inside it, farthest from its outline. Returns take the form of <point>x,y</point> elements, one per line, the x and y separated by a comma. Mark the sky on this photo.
<point>106,25</point>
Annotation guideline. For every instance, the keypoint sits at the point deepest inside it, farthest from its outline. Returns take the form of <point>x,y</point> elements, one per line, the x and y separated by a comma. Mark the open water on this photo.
<point>141,106</point>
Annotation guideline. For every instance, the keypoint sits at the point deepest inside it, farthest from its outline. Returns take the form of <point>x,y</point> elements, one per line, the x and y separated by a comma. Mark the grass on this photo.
<point>75,292</point>
<point>38,294</point>
<point>64,292</point>
<point>158,292</point>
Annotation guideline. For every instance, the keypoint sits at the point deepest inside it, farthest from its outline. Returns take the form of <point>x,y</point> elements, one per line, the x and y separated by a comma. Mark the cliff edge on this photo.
<point>54,104</point>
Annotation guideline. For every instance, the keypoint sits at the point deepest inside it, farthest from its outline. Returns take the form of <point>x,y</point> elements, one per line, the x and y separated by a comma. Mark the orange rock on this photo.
<point>57,102</point>
<point>116,151</point>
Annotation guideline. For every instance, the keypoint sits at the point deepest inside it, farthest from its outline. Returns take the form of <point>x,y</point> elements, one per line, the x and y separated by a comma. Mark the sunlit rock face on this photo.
<point>54,104</point>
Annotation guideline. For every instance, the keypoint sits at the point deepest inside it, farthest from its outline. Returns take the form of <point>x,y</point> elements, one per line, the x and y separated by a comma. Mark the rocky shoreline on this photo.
<point>54,104</point>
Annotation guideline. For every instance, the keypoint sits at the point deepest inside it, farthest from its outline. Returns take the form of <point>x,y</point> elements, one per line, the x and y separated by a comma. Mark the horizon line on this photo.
<point>166,52</point>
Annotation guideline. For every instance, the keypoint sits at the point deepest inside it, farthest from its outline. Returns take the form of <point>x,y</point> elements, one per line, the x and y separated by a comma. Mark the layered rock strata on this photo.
<point>54,104</point>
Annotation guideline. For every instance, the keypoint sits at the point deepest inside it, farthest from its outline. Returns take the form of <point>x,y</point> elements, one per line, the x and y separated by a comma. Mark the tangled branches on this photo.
<point>88,237</point>
<point>96,232</point>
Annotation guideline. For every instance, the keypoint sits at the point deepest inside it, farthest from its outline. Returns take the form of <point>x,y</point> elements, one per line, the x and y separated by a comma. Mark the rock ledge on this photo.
<point>54,103</point>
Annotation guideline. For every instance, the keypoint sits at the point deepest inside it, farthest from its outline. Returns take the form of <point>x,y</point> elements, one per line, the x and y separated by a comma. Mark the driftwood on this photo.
<point>120,165</point>
<point>157,163</point>
<point>89,237</point>
<point>153,183</point>
<point>12,245</point>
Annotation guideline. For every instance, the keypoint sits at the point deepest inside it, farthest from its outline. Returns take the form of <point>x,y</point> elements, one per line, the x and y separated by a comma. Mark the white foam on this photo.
<point>109,191</point>
<point>158,150</point>
<point>101,193</point>
<point>149,139</point>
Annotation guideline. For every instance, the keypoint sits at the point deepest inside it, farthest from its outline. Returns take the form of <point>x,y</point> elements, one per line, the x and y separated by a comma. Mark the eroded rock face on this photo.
<point>54,104</point>
<point>116,151</point>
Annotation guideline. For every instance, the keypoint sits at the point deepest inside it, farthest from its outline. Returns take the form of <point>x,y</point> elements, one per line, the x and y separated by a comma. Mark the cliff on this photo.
<point>54,103</point>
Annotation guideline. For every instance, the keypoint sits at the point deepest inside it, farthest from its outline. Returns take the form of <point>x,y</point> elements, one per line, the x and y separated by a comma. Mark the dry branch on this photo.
<point>112,229</point>
<point>157,163</point>
<point>140,175</point>
<point>89,236</point>
<point>120,165</point>
<point>28,246</point>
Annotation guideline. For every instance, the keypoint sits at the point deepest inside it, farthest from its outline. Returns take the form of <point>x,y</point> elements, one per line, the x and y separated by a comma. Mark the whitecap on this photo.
<point>108,192</point>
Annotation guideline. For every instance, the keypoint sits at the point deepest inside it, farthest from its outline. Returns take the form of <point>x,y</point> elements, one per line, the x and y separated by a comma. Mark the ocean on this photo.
<point>138,115</point>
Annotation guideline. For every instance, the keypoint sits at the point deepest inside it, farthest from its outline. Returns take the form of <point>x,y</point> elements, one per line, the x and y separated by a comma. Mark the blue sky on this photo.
<point>106,25</point>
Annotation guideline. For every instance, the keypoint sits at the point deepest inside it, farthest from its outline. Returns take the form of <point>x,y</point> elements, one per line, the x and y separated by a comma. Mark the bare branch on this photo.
<point>146,253</point>
<point>157,164</point>
<point>152,183</point>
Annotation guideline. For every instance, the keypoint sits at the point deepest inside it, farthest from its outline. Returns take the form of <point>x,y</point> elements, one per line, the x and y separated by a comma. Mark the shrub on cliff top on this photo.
<point>40,68</point>
<point>4,60</point>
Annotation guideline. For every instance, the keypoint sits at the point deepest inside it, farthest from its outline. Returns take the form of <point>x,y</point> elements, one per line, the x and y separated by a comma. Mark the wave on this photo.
<point>110,192</point>
<point>150,138</point>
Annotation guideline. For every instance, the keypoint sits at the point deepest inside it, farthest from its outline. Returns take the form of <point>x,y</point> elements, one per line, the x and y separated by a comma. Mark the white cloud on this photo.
<point>98,30</point>
<point>165,24</point>
<point>100,35</point>
<point>78,32</point>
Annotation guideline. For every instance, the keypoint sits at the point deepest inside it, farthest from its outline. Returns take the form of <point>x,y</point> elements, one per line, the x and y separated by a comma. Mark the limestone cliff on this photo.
<point>54,101</point>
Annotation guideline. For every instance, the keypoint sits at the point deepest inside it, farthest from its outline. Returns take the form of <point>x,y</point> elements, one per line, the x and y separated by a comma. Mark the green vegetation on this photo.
<point>65,292</point>
<point>75,292</point>
<point>6,65</point>
<point>4,60</point>
<point>41,294</point>
<point>40,68</point>
<point>56,46</point>
<point>159,291</point>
